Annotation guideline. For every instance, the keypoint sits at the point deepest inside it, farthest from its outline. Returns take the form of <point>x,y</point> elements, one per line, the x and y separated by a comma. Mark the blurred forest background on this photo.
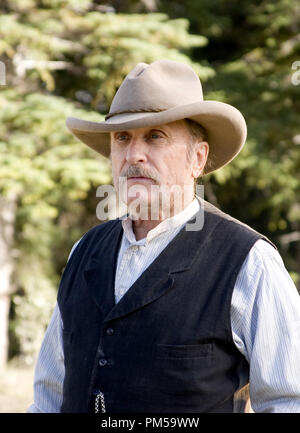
<point>67,58</point>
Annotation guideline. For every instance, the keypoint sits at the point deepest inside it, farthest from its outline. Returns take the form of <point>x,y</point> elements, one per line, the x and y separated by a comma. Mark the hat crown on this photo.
<point>162,85</point>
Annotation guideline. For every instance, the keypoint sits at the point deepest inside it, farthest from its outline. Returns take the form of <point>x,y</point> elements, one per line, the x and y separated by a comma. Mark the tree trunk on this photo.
<point>7,229</point>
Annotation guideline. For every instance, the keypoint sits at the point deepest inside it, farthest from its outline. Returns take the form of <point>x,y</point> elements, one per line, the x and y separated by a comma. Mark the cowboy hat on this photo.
<point>162,92</point>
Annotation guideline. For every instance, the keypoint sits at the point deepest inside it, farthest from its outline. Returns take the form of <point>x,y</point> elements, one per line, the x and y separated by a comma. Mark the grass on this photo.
<point>16,389</point>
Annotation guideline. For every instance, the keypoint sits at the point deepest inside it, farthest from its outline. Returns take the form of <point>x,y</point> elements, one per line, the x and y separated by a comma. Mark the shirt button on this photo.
<point>102,362</point>
<point>110,331</point>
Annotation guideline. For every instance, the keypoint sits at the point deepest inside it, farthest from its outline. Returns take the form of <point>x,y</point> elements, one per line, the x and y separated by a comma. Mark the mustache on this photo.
<point>141,171</point>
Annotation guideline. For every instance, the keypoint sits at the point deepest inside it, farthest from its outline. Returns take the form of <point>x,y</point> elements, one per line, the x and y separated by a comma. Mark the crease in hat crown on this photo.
<point>147,88</point>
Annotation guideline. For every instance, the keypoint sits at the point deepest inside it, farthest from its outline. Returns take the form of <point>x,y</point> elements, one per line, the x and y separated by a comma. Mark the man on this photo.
<point>152,317</point>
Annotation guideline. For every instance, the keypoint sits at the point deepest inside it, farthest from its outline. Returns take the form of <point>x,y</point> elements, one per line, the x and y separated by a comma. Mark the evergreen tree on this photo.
<point>63,58</point>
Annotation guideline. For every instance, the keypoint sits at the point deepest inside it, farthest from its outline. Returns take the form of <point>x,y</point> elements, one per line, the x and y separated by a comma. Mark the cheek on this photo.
<point>116,161</point>
<point>115,175</point>
<point>176,167</point>
<point>115,169</point>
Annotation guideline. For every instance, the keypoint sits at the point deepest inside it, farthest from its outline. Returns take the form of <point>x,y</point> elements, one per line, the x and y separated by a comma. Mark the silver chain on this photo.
<point>100,396</point>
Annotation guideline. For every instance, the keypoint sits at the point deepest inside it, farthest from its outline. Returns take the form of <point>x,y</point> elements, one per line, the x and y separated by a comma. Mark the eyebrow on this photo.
<point>114,133</point>
<point>119,132</point>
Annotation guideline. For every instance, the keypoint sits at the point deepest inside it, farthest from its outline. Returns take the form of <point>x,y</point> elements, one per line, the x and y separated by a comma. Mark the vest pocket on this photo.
<point>180,372</point>
<point>183,351</point>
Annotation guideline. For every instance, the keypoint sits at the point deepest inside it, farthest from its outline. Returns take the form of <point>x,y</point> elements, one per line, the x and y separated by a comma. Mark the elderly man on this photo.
<point>152,317</point>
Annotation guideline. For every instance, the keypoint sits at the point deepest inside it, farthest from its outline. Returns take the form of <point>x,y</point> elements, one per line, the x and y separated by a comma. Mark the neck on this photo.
<point>141,227</point>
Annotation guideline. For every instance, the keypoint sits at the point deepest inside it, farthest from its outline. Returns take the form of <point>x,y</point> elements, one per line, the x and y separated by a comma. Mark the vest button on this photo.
<point>110,331</point>
<point>102,362</point>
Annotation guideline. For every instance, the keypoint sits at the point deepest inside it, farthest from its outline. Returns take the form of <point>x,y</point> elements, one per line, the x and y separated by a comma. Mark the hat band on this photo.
<point>144,110</point>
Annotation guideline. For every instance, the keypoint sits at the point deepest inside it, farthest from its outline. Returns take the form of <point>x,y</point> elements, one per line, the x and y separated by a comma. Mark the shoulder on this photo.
<point>94,233</point>
<point>264,275</point>
<point>264,259</point>
<point>232,225</point>
<point>217,214</point>
<point>101,229</point>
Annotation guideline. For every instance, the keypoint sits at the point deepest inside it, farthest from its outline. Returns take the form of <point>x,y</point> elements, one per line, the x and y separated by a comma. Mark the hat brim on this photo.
<point>224,124</point>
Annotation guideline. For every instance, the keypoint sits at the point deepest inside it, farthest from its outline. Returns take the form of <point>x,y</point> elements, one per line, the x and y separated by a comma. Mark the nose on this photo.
<point>136,151</point>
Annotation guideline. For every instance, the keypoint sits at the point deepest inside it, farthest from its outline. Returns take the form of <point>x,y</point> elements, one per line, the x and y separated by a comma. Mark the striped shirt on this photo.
<point>265,321</point>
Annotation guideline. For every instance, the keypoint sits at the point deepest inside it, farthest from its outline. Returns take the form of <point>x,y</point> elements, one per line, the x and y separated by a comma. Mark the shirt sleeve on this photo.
<point>50,369</point>
<point>265,320</point>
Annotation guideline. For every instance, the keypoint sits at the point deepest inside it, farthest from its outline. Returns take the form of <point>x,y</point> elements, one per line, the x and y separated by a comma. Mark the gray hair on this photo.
<point>198,134</point>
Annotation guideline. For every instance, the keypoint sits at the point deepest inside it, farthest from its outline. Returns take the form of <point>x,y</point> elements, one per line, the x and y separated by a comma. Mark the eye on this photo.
<point>156,135</point>
<point>122,136</point>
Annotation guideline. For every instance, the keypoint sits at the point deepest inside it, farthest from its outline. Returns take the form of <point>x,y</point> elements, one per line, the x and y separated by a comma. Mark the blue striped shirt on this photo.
<point>265,321</point>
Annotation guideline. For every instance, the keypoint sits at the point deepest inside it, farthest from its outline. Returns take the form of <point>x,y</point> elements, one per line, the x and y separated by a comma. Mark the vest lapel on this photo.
<point>99,276</point>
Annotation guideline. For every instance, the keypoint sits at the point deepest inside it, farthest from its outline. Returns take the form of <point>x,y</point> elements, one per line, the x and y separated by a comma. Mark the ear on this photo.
<point>200,158</point>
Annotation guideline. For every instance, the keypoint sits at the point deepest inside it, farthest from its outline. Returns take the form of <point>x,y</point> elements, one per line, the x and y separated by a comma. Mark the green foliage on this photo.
<point>63,59</point>
<point>48,169</point>
<point>93,48</point>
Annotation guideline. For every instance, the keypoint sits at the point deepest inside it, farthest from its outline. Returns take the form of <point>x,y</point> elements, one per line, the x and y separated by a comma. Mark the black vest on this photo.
<point>167,345</point>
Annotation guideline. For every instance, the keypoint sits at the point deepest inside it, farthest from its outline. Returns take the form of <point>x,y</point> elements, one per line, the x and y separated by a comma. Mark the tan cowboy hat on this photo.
<point>163,92</point>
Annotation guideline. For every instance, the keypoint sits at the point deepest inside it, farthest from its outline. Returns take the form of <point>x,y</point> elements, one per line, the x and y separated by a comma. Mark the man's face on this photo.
<point>151,156</point>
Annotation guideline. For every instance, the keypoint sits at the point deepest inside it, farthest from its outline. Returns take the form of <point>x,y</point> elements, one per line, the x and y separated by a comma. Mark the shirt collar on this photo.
<point>168,224</point>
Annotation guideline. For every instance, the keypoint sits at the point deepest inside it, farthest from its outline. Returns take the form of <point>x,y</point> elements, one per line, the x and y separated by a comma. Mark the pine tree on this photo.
<point>63,58</point>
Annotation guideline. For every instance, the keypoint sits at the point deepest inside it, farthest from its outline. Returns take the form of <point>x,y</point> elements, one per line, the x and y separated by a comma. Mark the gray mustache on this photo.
<point>140,171</point>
